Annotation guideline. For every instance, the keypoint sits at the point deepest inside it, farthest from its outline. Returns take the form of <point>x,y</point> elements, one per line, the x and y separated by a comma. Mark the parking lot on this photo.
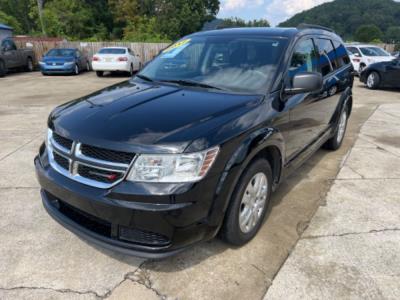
<point>39,259</point>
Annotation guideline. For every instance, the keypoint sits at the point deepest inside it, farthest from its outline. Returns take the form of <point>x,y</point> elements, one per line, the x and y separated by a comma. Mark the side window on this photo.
<point>354,51</point>
<point>327,56</point>
<point>304,58</point>
<point>341,54</point>
<point>8,45</point>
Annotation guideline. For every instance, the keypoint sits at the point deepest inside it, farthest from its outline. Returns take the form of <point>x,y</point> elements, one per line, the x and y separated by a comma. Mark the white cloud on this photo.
<point>279,10</point>
<point>231,5</point>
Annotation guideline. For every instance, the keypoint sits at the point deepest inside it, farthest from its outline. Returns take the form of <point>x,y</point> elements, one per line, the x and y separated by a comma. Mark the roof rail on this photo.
<point>312,26</point>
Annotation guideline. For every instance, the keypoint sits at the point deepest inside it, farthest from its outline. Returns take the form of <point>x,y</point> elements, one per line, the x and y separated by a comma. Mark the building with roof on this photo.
<point>5,31</point>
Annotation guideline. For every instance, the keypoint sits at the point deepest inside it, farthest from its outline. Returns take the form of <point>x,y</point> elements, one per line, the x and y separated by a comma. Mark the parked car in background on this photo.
<point>364,55</point>
<point>382,74</point>
<point>113,59</point>
<point>396,54</point>
<point>196,143</point>
<point>13,58</point>
<point>64,61</point>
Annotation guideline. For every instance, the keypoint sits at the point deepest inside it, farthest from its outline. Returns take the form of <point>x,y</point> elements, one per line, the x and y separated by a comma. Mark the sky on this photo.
<point>275,11</point>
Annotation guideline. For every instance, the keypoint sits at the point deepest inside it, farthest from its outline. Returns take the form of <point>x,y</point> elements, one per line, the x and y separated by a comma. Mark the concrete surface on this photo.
<point>351,250</point>
<point>39,259</point>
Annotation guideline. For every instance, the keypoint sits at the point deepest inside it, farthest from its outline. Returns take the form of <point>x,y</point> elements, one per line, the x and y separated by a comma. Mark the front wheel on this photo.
<point>249,204</point>
<point>373,80</point>
<point>99,73</point>
<point>336,141</point>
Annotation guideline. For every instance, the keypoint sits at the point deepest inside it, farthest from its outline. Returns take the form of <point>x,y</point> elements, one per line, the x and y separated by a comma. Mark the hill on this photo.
<point>346,16</point>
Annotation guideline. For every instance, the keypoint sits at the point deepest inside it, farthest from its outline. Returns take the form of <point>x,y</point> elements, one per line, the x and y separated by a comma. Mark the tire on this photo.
<point>361,68</point>
<point>76,70</point>
<point>131,71</point>
<point>373,80</point>
<point>44,74</point>
<point>235,230</point>
<point>99,73</point>
<point>3,69</point>
<point>29,65</point>
<point>336,141</point>
<point>87,66</point>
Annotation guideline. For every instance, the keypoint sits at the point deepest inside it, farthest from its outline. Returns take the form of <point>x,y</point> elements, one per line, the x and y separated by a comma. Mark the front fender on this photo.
<point>250,147</point>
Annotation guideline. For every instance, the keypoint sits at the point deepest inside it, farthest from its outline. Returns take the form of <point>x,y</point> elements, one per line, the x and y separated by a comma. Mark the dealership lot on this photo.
<point>40,259</point>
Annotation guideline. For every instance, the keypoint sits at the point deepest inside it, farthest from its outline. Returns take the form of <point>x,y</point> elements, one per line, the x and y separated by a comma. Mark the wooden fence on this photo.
<point>146,51</point>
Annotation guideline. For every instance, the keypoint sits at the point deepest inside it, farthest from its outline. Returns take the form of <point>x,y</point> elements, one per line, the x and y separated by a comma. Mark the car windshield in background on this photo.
<point>237,64</point>
<point>61,52</point>
<point>112,51</point>
<point>373,51</point>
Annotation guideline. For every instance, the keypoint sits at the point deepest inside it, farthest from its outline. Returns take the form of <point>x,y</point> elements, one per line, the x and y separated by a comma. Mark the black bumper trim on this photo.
<point>110,244</point>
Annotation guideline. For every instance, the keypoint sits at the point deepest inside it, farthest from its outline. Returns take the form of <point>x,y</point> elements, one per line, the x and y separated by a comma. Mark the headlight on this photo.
<point>41,62</point>
<point>172,168</point>
<point>69,63</point>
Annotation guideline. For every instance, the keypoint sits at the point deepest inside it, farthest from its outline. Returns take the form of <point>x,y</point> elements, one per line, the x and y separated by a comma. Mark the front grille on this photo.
<point>94,166</point>
<point>85,220</point>
<point>143,237</point>
<point>62,141</point>
<point>61,161</point>
<point>99,174</point>
<point>108,155</point>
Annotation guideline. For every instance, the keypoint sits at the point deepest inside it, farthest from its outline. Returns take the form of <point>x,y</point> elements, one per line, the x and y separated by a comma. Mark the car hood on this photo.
<point>148,117</point>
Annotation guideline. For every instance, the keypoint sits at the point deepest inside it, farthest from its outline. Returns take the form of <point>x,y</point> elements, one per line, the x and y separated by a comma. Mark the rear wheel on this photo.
<point>2,68</point>
<point>249,204</point>
<point>336,141</point>
<point>76,70</point>
<point>99,73</point>
<point>131,71</point>
<point>29,65</point>
<point>373,80</point>
<point>87,66</point>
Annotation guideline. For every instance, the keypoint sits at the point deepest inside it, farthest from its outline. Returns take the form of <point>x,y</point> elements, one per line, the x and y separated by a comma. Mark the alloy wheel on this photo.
<point>371,80</point>
<point>253,202</point>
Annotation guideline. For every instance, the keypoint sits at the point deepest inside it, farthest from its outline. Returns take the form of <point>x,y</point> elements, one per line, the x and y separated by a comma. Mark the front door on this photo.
<point>304,109</point>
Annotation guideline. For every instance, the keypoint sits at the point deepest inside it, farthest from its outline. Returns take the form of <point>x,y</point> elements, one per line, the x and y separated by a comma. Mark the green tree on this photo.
<point>20,11</point>
<point>10,21</point>
<point>368,33</point>
<point>393,34</point>
<point>237,22</point>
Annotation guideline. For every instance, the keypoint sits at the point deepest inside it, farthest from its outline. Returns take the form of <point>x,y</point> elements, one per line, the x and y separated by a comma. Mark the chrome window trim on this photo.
<point>76,158</point>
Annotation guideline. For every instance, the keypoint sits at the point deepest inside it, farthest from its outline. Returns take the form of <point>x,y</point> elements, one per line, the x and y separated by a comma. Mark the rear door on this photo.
<point>333,82</point>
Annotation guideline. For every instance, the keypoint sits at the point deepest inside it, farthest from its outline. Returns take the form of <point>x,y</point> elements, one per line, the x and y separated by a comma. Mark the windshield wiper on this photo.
<point>192,83</point>
<point>144,77</point>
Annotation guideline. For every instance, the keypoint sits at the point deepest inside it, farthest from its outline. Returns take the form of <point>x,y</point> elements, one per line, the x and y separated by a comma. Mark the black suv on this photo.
<point>195,144</point>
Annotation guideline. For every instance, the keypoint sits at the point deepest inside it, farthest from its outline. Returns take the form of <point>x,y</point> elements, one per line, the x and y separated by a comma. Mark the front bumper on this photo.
<point>126,218</point>
<point>57,69</point>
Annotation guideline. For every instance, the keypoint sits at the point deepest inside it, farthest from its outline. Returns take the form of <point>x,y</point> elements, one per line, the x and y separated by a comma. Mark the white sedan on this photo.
<point>111,59</point>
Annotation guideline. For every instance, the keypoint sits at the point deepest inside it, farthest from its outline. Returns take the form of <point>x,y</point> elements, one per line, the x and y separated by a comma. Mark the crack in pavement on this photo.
<point>310,237</point>
<point>20,147</point>
<point>63,291</point>
<point>142,277</point>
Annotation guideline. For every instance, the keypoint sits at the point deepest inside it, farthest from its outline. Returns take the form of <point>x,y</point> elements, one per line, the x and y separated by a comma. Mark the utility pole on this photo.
<point>40,4</point>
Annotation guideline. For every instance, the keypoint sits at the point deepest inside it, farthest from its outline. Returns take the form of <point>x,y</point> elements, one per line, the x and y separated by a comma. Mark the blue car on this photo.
<point>64,61</point>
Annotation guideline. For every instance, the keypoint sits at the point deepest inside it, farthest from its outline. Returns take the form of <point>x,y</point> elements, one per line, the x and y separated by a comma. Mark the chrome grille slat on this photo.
<point>82,168</point>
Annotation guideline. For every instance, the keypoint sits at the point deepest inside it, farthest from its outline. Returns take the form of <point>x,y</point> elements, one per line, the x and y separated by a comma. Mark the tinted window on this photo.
<point>342,57</point>
<point>61,52</point>
<point>304,58</point>
<point>112,51</point>
<point>374,51</point>
<point>327,56</point>
<point>9,45</point>
<point>235,63</point>
<point>354,51</point>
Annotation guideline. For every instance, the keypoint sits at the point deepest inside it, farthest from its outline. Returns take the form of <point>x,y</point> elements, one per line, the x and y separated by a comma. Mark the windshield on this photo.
<point>61,52</point>
<point>374,51</point>
<point>112,51</point>
<point>238,64</point>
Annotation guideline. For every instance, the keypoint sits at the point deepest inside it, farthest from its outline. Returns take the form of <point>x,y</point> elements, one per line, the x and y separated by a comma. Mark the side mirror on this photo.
<point>305,82</point>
